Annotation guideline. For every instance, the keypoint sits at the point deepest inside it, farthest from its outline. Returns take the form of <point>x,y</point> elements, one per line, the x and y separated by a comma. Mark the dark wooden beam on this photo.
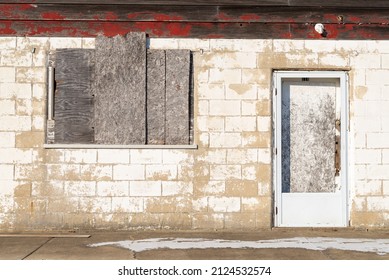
<point>143,13</point>
<point>193,30</point>
<point>239,3</point>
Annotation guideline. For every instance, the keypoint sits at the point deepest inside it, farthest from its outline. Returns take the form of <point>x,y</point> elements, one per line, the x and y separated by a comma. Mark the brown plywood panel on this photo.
<point>177,96</point>
<point>156,63</point>
<point>73,101</point>
<point>120,89</point>
<point>308,137</point>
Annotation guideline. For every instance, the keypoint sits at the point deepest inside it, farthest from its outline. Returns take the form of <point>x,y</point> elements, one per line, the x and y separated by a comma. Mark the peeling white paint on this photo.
<point>378,246</point>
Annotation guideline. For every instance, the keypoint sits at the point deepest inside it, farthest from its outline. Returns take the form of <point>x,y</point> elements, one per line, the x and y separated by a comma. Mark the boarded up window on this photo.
<point>123,94</point>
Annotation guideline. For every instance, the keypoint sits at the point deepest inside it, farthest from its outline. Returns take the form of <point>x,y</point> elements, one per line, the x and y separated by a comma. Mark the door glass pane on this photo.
<point>309,114</point>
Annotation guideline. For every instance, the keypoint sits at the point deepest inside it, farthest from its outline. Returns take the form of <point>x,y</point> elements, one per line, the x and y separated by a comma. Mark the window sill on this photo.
<point>100,146</point>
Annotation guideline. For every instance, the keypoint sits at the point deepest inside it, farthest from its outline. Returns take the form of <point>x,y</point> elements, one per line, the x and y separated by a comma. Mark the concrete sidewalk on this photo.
<point>68,246</point>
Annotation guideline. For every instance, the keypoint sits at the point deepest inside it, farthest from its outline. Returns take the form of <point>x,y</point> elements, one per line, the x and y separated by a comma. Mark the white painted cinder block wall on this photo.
<point>225,183</point>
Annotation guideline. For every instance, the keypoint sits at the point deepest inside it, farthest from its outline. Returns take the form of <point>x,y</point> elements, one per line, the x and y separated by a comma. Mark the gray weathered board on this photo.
<point>308,136</point>
<point>73,101</point>
<point>177,96</point>
<point>156,96</point>
<point>120,89</point>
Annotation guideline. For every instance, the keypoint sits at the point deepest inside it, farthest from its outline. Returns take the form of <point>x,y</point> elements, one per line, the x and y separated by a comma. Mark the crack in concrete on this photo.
<point>40,246</point>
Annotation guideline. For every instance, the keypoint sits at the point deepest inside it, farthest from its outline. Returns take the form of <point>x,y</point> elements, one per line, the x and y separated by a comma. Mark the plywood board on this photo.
<point>120,90</point>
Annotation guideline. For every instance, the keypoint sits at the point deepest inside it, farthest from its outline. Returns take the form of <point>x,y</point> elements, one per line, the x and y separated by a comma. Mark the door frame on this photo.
<point>278,77</point>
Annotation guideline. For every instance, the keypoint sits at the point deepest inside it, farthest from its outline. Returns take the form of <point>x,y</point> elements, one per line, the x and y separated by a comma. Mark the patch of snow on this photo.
<point>378,246</point>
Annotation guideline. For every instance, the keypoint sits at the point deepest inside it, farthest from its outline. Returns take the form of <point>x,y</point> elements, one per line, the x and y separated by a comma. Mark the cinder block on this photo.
<point>161,172</point>
<point>377,77</point>
<point>65,43</point>
<point>149,188</point>
<point>88,43</point>
<point>31,75</point>
<point>210,91</point>
<point>333,60</point>
<point>288,45</point>
<point>6,172</point>
<point>377,203</point>
<point>231,76</point>
<point>368,93</point>
<point>24,107</point>
<point>203,108</point>
<point>385,188</point>
<point>15,90</point>
<point>146,156</point>
<point>95,172</point>
<point>241,156</point>
<point>225,140</point>
<point>360,172</point>
<point>264,155</point>
<point>28,43</point>
<point>320,46</point>
<point>15,58</point>
<point>113,156</point>
<point>228,60</point>
<point>208,221</point>
<point>202,74</point>
<point>194,44</point>
<point>13,155</point>
<point>177,188</point>
<point>249,108</point>
<point>177,157</point>
<point>240,221</point>
<point>377,172</point>
<point>256,139</point>
<point>112,188</point>
<point>224,108</point>
<point>241,188</point>
<point>222,172</point>
<point>203,188</point>
<point>368,188</point>
<point>38,123</point>
<point>241,45</point>
<point>239,124</point>
<point>29,139</point>
<point>368,156</point>
<point>7,139</point>
<point>127,205</point>
<point>164,43</point>
<point>98,205</point>
<point>366,61</point>
<point>80,188</point>
<point>256,76</point>
<point>224,204</point>
<point>200,204</point>
<point>298,59</point>
<point>241,92</point>
<point>7,187</point>
<point>38,91</point>
<point>351,46</point>
<point>385,156</point>
<point>7,74</point>
<point>7,107</point>
<point>264,123</point>
<point>129,172</point>
<point>367,124</point>
<point>81,156</point>
<point>378,140</point>
<point>15,123</point>
<point>360,139</point>
<point>213,156</point>
<point>210,124</point>
<point>7,43</point>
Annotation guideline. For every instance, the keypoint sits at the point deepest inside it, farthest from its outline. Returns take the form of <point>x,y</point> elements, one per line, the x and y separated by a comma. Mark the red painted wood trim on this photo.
<point>192,30</point>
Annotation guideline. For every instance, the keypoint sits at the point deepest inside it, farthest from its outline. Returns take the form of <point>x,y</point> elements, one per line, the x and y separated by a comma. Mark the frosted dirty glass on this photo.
<point>308,137</point>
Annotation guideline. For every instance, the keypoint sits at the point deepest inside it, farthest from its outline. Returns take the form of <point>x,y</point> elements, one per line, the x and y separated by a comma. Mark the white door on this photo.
<point>310,141</point>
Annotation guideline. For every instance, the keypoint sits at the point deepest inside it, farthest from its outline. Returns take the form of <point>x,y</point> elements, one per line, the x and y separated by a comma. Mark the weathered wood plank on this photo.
<point>194,30</point>
<point>120,90</point>
<point>73,120</point>
<point>156,97</point>
<point>145,13</point>
<point>75,71</point>
<point>73,101</point>
<point>177,96</point>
